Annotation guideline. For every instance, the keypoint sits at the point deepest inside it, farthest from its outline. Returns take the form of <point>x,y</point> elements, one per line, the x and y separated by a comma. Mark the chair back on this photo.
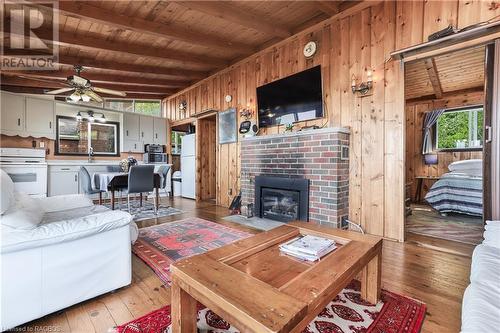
<point>163,171</point>
<point>85,181</point>
<point>141,178</point>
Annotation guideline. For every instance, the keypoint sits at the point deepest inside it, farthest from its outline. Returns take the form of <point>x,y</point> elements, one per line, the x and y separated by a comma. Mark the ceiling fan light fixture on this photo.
<point>91,116</point>
<point>75,97</point>
<point>85,98</point>
<point>79,116</point>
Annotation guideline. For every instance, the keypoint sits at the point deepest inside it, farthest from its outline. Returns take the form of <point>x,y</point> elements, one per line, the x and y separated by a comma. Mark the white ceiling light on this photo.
<point>85,98</point>
<point>75,97</point>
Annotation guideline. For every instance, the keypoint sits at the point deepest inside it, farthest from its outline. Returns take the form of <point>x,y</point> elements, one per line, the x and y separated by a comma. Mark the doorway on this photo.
<point>206,158</point>
<point>445,137</point>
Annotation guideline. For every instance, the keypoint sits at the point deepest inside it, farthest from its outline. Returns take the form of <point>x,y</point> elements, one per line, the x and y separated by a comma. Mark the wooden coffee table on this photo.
<point>257,289</point>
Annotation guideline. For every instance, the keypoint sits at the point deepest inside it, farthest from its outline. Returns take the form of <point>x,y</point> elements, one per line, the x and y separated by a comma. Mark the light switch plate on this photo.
<point>42,144</point>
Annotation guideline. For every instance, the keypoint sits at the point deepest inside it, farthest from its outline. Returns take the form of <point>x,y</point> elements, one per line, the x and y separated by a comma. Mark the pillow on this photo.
<point>492,234</point>
<point>7,191</point>
<point>467,165</point>
<point>24,214</point>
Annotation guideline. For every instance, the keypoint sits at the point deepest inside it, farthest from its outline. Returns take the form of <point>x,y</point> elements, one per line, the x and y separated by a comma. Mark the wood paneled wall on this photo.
<point>415,113</point>
<point>349,44</point>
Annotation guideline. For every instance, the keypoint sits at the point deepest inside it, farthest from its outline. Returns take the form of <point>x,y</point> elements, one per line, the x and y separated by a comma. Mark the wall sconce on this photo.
<point>364,87</point>
<point>246,113</point>
<point>183,106</point>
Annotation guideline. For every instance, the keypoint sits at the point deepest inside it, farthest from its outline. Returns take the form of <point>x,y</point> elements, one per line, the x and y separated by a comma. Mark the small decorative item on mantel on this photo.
<point>289,128</point>
<point>124,165</point>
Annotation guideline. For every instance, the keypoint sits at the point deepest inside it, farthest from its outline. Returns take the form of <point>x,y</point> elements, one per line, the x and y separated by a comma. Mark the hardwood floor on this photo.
<point>412,269</point>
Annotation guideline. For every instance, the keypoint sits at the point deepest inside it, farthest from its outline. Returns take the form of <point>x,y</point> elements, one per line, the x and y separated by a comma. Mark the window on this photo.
<point>150,108</point>
<point>177,142</point>
<point>146,107</point>
<point>460,129</point>
<point>120,104</point>
<point>74,137</point>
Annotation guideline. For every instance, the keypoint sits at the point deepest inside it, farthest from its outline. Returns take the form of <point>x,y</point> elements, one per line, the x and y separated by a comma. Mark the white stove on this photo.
<point>27,168</point>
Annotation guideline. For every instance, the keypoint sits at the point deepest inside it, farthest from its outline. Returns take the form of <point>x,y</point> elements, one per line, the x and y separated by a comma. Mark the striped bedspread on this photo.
<point>457,193</point>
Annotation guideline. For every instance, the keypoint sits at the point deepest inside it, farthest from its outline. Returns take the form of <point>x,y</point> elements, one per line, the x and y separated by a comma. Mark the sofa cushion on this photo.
<point>7,191</point>
<point>480,309</point>
<point>64,202</point>
<point>492,234</point>
<point>94,220</point>
<point>24,213</point>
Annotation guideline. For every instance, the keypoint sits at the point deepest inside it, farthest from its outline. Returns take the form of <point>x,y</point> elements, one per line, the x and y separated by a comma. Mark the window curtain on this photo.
<point>429,121</point>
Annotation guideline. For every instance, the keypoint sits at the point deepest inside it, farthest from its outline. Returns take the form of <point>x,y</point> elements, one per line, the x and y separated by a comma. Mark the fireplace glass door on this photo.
<point>280,205</point>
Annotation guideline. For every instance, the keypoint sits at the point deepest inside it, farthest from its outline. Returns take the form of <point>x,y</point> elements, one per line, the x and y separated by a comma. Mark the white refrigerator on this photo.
<point>188,166</point>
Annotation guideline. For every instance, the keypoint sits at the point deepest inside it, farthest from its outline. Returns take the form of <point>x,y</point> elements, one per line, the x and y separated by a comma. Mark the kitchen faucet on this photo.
<point>91,154</point>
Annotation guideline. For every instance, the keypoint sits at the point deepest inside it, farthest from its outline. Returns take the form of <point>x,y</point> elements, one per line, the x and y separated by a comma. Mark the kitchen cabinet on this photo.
<point>63,180</point>
<point>12,114</point>
<point>131,128</point>
<point>131,146</point>
<point>146,125</point>
<point>40,117</point>
<point>160,131</point>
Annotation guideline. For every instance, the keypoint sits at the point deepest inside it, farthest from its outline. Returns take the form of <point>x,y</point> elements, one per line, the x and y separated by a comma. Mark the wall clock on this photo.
<point>228,98</point>
<point>310,49</point>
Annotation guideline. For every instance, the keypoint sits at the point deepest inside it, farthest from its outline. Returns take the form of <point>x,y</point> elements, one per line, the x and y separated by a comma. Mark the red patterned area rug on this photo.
<point>347,313</point>
<point>163,244</point>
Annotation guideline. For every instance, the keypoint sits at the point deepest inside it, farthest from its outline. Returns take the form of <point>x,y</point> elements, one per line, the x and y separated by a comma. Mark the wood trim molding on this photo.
<point>495,145</point>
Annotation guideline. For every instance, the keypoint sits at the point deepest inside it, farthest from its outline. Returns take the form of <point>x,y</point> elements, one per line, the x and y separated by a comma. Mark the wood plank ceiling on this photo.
<point>151,49</point>
<point>445,75</point>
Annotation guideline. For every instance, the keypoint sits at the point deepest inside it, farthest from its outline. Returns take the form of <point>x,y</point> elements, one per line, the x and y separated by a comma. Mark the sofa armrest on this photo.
<point>64,202</point>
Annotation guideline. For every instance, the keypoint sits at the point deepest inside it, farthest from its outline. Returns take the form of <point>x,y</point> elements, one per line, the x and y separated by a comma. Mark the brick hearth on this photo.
<point>314,155</point>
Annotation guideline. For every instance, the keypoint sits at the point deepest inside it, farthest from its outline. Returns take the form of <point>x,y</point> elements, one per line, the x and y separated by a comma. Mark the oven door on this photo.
<point>30,179</point>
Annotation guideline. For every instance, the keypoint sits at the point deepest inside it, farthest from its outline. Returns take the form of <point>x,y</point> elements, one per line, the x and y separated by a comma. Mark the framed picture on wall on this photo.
<point>227,126</point>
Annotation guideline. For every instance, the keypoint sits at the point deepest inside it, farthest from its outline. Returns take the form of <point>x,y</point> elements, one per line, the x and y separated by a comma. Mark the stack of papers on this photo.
<point>309,248</point>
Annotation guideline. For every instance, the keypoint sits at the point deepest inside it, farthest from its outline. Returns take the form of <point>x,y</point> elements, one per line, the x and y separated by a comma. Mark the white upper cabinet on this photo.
<point>131,128</point>
<point>147,129</point>
<point>40,117</point>
<point>160,131</point>
<point>12,114</point>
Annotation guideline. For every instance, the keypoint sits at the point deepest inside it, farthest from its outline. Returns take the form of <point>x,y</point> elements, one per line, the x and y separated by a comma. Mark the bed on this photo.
<point>460,190</point>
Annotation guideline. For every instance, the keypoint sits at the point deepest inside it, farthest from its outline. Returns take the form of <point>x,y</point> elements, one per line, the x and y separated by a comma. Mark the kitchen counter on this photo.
<point>82,162</point>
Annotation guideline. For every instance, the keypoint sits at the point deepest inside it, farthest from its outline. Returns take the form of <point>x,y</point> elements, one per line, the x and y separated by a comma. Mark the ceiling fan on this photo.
<point>83,89</point>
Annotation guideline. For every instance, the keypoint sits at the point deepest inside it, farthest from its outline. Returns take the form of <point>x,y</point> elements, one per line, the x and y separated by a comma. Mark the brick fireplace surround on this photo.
<point>313,155</point>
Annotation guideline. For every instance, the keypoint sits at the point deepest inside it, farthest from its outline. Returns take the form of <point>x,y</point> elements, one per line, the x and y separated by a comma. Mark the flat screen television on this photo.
<point>294,98</point>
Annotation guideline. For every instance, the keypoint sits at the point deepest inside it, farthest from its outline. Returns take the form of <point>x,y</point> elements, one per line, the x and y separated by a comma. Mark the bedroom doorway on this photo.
<point>446,109</point>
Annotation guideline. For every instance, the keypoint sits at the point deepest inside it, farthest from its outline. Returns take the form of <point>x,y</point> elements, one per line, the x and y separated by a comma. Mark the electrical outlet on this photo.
<point>343,223</point>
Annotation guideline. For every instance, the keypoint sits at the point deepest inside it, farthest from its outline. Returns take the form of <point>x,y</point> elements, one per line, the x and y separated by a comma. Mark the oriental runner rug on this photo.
<point>347,313</point>
<point>160,245</point>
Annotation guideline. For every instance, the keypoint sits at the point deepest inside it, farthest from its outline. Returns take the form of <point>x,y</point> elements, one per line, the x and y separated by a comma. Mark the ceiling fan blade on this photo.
<point>59,91</point>
<point>109,91</point>
<point>93,95</point>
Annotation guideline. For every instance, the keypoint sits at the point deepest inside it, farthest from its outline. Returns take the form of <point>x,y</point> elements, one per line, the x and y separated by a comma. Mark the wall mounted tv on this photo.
<point>294,98</point>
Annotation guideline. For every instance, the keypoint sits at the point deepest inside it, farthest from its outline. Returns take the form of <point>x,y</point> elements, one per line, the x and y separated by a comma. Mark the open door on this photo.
<point>206,158</point>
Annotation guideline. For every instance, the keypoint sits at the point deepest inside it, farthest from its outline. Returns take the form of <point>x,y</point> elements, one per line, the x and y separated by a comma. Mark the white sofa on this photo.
<point>481,302</point>
<point>58,251</point>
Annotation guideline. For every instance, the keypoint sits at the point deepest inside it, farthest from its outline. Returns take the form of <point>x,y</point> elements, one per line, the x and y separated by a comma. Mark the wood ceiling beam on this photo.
<point>132,68</point>
<point>98,77</point>
<point>101,44</point>
<point>430,66</point>
<point>88,12</point>
<point>446,95</point>
<point>43,83</point>
<point>328,7</point>
<point>41,91</point>
<point>232,13</point>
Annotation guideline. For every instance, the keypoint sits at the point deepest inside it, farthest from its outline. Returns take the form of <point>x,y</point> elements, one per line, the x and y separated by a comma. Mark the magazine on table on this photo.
<point>310,248</point>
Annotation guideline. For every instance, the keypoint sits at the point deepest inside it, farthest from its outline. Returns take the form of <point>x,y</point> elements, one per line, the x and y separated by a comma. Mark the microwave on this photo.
<point>155,158</point>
